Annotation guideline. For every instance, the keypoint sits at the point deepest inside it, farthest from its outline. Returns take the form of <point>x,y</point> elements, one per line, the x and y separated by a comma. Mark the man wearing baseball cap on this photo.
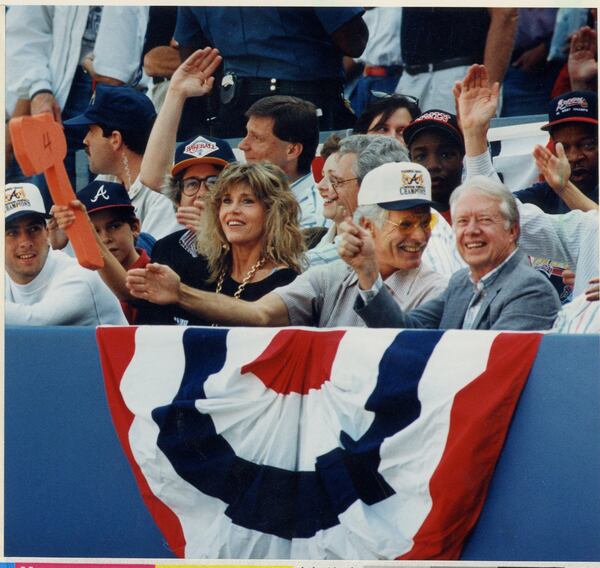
<point>573,127</point>
<point>394,211</point>
<point>497,290</point>
<point>44,286</point>
<point>435,141</point>
<point>116,227</point>
<point>118,122</point>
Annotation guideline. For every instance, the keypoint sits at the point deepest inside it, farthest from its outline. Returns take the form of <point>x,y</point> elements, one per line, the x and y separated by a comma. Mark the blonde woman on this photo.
<point>250,238</point>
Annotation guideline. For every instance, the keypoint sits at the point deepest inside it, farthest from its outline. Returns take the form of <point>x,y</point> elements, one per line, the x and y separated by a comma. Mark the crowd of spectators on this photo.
<point>214,203</point>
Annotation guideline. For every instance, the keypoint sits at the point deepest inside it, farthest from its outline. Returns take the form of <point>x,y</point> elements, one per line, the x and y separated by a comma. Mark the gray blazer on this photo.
<point>519,298</point>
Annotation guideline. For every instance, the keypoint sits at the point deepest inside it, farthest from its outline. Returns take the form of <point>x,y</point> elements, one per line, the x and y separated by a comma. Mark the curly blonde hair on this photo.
<point>283,243</point>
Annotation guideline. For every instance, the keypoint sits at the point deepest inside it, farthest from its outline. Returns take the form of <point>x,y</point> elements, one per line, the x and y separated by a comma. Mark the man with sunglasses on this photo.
<point>356,157</point>
<point>497,290</point>
<point>395,213</point>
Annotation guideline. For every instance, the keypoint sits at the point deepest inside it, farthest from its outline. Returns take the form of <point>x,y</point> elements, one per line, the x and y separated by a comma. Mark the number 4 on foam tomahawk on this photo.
<point>39,145</point>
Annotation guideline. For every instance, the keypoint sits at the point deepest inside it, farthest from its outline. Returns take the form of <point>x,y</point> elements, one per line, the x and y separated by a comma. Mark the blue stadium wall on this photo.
<point>69,491</point>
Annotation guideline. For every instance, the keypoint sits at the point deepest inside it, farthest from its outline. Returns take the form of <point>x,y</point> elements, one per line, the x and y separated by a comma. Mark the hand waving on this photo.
<point>476,100</point>
<point>555,169</point>
<point>583,67</point>
<point>194,77</point>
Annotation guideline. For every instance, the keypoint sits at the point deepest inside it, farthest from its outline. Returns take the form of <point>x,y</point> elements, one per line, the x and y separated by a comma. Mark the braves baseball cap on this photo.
<point>397,186</point>
<point>22,199</point>
<point>575,106</point>
<point>202,150</point>
<point>118,108</point>
<point>100,195</point>
<point>435,119</point>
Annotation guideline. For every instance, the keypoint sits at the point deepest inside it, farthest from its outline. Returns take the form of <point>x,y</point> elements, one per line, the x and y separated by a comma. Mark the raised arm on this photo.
<point>193,78</point>
<point>557,171</point>
<point>476,105</point>
<point>159,284</point>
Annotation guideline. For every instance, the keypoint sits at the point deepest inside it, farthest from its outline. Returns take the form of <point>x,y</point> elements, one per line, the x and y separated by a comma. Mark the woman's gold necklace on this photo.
<point>249,275</point>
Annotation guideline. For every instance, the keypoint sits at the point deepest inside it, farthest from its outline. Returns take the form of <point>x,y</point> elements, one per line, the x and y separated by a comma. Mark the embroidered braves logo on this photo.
<point>15,198</point>
<point>575,103</point>
<point>16,193</point>
<point>100,193</point>
<point>410,178</point>
<point>434,115</point>
<point>412,183</point>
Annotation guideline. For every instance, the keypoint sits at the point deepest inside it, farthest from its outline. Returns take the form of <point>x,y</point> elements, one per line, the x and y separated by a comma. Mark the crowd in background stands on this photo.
<point>398,219</point>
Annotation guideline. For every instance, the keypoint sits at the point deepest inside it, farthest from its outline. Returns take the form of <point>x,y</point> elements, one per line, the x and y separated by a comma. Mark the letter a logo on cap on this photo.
<point>100,193</point>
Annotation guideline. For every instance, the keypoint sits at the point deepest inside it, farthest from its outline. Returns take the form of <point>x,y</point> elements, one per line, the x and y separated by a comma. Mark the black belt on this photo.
<point>255,86</point>
<point>439,65</point>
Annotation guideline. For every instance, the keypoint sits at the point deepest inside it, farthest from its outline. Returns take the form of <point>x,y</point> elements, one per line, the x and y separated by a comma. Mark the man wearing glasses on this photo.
<point>356,157</point>
<point>498,289</point>
<point>395,213</point>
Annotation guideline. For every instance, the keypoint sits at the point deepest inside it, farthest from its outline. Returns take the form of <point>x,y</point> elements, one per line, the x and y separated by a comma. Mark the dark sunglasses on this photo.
<point>378,95</point>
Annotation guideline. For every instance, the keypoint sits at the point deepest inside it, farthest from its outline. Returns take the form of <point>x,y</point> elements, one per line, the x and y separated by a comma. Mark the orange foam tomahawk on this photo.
<point>39,145</point>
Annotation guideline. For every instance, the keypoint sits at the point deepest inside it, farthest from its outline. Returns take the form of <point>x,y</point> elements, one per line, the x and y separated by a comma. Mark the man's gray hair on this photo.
<point>377,215</point>
<point>491,188</point>
<point>371,152</point>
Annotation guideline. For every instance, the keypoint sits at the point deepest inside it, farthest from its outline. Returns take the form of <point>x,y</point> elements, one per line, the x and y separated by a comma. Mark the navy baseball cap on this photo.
<point>575,106</point>
<point>100,195</point>
<point>202,150</point>
<point>117,108</point>
<point>435,119</point>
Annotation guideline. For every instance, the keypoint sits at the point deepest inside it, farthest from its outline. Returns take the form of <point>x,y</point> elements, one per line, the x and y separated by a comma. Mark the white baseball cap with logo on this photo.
<point>22,199</point>
<point>396,186</point>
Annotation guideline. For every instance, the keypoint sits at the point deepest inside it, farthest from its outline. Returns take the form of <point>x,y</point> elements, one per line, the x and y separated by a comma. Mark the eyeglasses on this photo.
<point>408,225</point>
<point>191,186</point>
<point>383,95</point>
<point>335,183</point>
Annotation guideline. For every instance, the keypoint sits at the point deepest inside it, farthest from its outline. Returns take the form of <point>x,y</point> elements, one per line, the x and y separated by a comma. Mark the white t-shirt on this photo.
<point>63,293</point>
